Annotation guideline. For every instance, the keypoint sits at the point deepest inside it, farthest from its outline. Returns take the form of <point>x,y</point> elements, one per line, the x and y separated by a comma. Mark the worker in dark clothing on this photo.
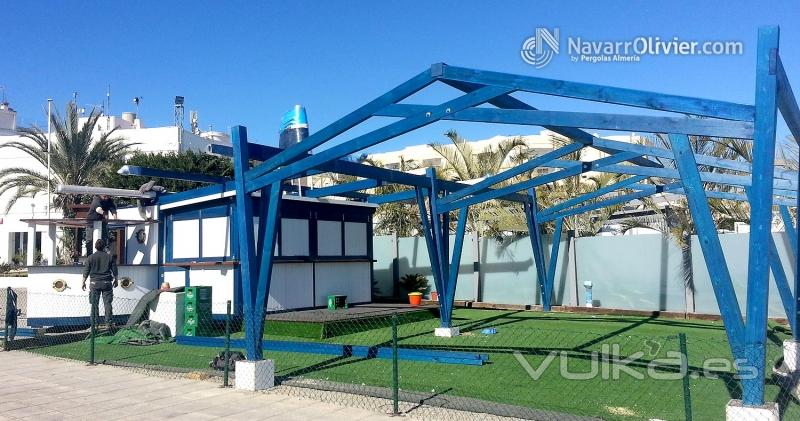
<point>100,209</point>
<point>101,269</point>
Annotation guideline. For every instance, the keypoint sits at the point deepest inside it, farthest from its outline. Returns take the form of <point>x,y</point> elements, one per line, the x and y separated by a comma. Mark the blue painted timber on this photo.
<point>789,227</point>
<point>534,233</point>
<point>361,351</point>
<point>529,165</point>
<point>709,243</point>
<point>431,247</point>
<point>551,269</point>
<point>607,94</point>
<point>343,188</point>
<point>574,168</point>
<point>761,213</point>
<point>601,121</point>
<point>248,267</point>
<point>174,175</point>
<point>576,134</point>
<point>446,313</point>
<point>256,180</point>
<point>345,123</point>
<point>787,103</point>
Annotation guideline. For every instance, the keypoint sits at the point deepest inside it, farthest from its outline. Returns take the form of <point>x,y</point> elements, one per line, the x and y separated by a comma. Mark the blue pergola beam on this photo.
<point>575,168</point>
<point>345,123</point>
<point>256,180</point>
<point>593,195</point>
<point>385,175</point>
<point>339,189</point>
<point>535,236</point>
<point>616,200</point>
<point>707,160</point>
<point>600,121</point>
<point>529,165</point>
<point>607,94</point>
<point>401,196</point>
<point>709,242</point>
<point>173,175</point>
<point>709,177</point>
<point>575,134</point>
<point>761,213</point>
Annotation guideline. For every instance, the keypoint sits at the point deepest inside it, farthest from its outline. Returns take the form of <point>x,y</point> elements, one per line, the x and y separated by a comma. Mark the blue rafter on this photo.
<point>601,121</point>
<point>256,180</point>
<point>607,94</point>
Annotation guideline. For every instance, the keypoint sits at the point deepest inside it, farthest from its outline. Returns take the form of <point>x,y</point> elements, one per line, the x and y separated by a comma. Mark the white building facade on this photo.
<point>16,235</point>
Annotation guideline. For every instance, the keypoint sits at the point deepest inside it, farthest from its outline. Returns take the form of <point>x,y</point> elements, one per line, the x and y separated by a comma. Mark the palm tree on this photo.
<point>76,157</point>
<point>463,163</point>
<point>401,218</point>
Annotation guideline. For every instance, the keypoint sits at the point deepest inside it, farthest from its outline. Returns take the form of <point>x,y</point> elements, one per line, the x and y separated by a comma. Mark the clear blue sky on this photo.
<point>248,62</point>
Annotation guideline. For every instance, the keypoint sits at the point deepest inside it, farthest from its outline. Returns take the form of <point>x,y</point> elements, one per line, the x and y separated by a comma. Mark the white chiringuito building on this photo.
<point>15,235</point>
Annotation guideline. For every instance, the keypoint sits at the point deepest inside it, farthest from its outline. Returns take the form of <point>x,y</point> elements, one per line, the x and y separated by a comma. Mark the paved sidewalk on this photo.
<point>38,388</point>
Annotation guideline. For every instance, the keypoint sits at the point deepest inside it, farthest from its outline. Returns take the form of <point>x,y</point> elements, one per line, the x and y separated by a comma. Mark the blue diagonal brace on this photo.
<point>266,254</point>
<point>427,230</point>
<point>536,244</point>
<point>709,242</point>
<point>452,277</point>
<point>553,264</point>
<point>788,225</point>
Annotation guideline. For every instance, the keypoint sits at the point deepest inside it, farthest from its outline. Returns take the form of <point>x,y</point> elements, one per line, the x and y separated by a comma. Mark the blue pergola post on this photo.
<point>761,213</point>
<point>247,256</point>
<point>793,234</point>
<point>531,218</point>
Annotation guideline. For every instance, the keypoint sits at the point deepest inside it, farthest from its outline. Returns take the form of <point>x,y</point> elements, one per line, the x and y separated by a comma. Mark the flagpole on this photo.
<point>49,187</point>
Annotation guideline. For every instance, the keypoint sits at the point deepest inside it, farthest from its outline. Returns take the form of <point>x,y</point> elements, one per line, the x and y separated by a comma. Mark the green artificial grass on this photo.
<point>522,338</point>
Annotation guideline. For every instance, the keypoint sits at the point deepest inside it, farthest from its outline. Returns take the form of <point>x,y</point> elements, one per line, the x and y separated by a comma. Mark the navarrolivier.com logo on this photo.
<point>539,49</point>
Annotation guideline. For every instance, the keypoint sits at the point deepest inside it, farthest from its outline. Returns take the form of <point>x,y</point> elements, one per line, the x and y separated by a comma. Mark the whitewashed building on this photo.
<point>15,234</point>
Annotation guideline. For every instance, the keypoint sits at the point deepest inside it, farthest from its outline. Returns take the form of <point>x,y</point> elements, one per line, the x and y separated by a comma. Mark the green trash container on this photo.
<point>337,301</point>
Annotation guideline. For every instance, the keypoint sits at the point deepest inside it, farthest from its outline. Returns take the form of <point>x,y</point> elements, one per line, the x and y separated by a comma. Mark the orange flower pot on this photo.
<point>434,296</point>
<point>415,298</point>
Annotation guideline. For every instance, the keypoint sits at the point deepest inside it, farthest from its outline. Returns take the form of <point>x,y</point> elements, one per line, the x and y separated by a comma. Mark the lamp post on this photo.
<point>49,182</point>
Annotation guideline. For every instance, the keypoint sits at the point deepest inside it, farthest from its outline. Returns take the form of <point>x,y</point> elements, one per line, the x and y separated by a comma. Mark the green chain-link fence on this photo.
<point>519,364</point>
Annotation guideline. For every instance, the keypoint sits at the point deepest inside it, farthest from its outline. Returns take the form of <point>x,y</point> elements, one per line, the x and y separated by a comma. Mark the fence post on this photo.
<point>92,328</point>
<point>687,393</point>
<point>395,378</point>
<point>227,354</point>
<point>5,319</point>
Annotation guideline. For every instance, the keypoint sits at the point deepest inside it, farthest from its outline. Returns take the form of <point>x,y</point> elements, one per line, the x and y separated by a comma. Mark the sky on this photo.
<point>246,63</point>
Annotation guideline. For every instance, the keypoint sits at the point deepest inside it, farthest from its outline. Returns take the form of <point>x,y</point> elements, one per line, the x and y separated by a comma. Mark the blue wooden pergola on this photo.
<point>760,183</point>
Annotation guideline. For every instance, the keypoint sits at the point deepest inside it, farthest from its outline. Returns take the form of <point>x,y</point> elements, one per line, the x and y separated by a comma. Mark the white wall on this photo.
<point>44,301</point>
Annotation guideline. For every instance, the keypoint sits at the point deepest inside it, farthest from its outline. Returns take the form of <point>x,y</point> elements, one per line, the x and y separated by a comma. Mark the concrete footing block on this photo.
<point>736,411</point>
<point>255,375</point>
<point>446,332</point>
